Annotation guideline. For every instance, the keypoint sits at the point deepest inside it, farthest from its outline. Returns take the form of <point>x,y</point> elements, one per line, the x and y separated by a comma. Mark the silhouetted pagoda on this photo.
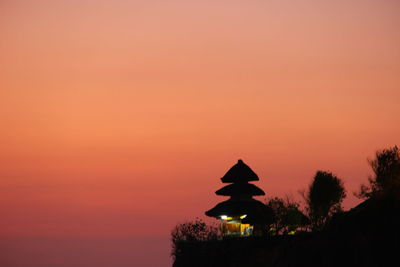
<point>241,214</point>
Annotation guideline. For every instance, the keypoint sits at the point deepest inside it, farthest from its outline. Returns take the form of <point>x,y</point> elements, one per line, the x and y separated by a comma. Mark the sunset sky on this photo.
<point>119,117</point>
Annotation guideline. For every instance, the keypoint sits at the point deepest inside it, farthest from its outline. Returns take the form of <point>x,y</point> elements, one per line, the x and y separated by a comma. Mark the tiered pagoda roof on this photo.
<point>241,193</point>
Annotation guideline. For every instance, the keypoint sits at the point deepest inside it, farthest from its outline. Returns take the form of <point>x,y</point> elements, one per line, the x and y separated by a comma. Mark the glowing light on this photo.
<point>224,217</point>
<point>243,216</point>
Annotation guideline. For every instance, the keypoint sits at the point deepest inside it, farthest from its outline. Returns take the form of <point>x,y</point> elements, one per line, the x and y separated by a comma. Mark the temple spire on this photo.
<point>239,172</point>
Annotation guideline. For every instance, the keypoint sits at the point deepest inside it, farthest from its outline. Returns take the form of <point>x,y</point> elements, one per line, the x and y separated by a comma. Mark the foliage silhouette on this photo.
<point>287,216</point>
<point>386,179</point>
<point>191,231</point>
<point>324,198</point>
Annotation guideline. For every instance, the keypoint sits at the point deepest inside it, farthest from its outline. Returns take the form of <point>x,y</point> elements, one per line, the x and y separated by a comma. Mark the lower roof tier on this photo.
<point>254,209</point>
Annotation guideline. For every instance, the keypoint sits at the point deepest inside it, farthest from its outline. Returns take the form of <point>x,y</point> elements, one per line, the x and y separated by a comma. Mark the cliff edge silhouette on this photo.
<point>367,235</point>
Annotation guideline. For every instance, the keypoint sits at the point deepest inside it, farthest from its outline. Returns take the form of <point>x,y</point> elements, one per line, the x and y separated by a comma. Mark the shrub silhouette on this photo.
<point>324,198</point>
<point>287,216</point>
<point>191,231</point>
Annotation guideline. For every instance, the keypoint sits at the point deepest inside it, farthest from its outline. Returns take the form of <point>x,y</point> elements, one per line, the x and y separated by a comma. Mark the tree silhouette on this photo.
<point>324,198</point>
<point>386,179</point>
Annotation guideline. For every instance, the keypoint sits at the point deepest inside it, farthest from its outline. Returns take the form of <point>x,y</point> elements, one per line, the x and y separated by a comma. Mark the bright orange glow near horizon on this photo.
<point>119,117</point>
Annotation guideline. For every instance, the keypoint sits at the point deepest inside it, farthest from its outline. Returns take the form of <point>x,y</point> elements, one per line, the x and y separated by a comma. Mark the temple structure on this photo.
<point>241,214</point>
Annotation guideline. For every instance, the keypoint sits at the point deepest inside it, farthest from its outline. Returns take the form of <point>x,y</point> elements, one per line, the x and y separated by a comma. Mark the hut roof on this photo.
<point>233,208</point>
<point>240,172</point>
<point>240,189</point>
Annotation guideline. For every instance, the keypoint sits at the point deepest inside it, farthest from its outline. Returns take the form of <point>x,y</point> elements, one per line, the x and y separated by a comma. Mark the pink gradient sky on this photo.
<point>119,117</point>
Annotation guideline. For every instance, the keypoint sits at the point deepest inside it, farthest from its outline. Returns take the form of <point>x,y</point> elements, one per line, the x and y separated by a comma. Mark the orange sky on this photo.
<point>119,117</point>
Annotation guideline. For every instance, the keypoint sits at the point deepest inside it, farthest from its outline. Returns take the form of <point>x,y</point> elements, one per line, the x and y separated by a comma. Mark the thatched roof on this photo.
<point>232,208</point>
<point>240,189</point>
<point>240,172</point>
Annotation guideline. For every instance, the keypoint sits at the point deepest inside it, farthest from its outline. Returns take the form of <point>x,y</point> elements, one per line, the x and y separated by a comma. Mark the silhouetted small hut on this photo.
<point>241,214</point>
